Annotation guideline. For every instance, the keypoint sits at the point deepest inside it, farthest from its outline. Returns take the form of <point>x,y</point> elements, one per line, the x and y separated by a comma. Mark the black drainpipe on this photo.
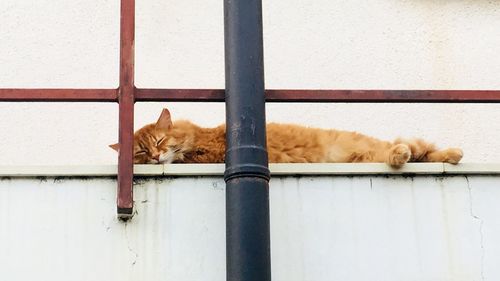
<point>247,174</point>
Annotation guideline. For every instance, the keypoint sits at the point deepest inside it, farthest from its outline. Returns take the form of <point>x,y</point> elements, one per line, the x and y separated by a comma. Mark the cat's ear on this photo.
<point>115,146</point>
<point>164,122</point>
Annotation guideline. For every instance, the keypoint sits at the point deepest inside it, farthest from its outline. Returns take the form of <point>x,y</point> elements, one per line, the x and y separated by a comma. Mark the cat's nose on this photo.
<point>156,157</point>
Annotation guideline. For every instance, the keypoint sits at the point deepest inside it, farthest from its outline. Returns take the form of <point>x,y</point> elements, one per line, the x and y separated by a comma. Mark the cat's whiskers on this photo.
<point>167,157</point>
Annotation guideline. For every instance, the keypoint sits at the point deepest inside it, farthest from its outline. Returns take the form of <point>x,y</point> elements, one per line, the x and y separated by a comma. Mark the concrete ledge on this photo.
<point>276,169</point>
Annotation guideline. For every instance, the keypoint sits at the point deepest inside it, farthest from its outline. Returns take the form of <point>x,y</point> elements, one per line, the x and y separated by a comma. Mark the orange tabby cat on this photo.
<point>185,142</point>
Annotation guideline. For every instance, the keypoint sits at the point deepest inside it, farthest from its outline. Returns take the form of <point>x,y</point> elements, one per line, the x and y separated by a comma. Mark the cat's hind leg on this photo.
<point>450,155</point>
<point>422,151</point>
<point>419,148</point>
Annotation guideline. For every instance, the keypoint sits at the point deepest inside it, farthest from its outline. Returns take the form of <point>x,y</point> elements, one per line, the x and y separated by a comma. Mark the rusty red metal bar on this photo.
<point>181,95</point>
<point>126,101</point>
<point>275,95</point>
<point>63,95</point>
<point>373,96</point>
<point>383,96</point>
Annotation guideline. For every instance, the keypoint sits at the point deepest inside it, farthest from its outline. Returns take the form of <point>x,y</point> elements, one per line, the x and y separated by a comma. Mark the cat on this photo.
<point>165,142</point>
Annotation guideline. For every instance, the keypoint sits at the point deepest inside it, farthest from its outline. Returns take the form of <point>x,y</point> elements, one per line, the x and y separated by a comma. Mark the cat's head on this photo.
<point>155,143</point>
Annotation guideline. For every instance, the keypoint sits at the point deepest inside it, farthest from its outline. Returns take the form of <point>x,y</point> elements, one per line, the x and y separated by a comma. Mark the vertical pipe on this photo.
<point>125,202</point>
<point>247,173</point>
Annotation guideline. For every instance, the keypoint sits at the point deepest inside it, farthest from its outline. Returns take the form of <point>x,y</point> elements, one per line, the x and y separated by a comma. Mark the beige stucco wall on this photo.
<point>327,44</point>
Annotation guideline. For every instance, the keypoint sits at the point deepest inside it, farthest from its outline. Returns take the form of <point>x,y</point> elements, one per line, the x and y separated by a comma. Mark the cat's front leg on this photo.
<point>398,155</point>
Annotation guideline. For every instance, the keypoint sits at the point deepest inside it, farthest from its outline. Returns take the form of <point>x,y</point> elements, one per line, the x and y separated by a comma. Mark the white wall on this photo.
<point>422,228</point>
<point>327,44</point>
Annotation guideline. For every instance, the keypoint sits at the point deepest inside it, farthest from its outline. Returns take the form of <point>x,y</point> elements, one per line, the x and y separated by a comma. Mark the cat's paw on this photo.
<point>453,155</point>
<point>399,155</point>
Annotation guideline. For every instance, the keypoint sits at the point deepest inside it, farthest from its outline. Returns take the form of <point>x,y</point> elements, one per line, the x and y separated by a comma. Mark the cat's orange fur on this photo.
<point>185,142</point>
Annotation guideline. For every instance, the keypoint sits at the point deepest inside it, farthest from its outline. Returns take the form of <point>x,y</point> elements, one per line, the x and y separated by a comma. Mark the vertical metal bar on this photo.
<point>247,174</point>
<point>125,202</point>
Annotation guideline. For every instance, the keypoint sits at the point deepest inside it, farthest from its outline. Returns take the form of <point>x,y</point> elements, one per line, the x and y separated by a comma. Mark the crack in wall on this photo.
<point>481,223</point>
<point>130,248</point>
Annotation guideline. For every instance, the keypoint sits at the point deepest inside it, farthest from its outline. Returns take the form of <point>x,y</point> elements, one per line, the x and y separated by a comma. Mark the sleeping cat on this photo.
<point>184,142</point>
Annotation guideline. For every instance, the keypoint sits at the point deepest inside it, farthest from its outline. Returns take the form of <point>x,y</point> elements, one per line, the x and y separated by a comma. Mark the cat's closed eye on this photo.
<point>160,141</point>
<point>142,152</point>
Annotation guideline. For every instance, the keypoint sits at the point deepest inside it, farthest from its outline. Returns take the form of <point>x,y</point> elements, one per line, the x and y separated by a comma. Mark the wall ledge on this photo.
<point>276,169</point>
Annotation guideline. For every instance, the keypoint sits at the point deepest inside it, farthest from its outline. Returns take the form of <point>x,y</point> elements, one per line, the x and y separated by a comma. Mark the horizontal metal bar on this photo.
<point>382,96</point>
<point>376,96</point>
<point>217,95</point>
<point>183,95</point>
<point>61,95</point>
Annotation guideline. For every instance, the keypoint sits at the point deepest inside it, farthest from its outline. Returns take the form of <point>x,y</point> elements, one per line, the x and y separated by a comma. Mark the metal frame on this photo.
<point>127,94</point>
<point>272,95</point>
